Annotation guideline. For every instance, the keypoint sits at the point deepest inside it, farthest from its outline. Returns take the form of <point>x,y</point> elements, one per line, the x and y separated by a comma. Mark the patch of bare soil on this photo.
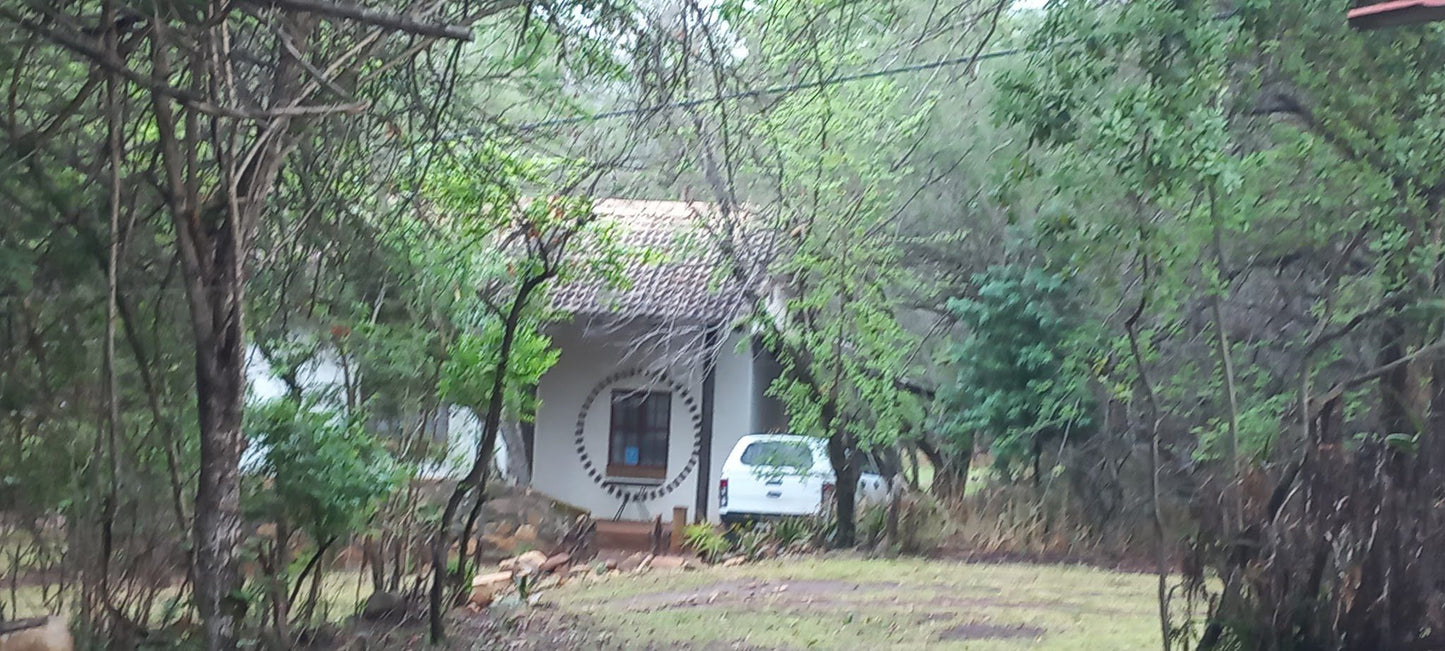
<point>745,591</point>
<point>805,596</point>
<point>984,631</point>
<point>548,628</point>
<point>535,629</point>
<point>539,628</point>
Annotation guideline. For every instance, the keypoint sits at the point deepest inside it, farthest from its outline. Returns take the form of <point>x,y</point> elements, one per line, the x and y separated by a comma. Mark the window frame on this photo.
<point>642,430</point>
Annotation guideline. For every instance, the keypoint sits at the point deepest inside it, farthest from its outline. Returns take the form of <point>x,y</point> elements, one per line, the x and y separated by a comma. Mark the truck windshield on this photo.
<point>778,454</point>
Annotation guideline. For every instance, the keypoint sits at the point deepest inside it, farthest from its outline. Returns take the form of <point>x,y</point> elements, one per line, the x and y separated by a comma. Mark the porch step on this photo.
<point>629,535</point>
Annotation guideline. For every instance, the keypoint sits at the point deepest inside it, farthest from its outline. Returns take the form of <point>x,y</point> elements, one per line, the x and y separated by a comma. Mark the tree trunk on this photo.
<point>280,564</point>
<point>476,478</point>
<point>519,466</point>
<point>1038,463</point>
<point>845,487</point>
<point>1161,550</point>
<point>1234,518</point>
<point>220,392</point>
<point>212,238</point>
<point>911,466</point>
<point>950,472</point>
<point>1394,411</point>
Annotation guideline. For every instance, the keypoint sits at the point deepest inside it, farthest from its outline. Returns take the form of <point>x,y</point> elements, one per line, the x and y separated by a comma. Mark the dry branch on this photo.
<point>370,17</point>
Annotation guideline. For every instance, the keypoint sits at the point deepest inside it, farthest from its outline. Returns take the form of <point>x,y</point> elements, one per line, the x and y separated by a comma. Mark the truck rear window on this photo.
<point>783,454</point>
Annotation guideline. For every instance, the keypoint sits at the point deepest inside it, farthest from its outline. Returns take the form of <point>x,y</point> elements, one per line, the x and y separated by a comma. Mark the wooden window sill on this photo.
<point>641,473</point>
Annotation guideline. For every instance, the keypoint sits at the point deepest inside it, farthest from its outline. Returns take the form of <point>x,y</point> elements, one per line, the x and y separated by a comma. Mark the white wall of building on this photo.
<point>732,416</point>
<point>589,366</point>
<point>323,378</point>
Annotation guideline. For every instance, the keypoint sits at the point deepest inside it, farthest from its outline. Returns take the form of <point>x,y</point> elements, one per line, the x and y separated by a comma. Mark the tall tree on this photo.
<point>1226,148</point>
<point>232,88</point>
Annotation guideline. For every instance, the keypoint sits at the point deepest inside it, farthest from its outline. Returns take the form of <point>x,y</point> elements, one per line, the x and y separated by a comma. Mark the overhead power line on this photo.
<point>788,88</point>
<point>771,90</point>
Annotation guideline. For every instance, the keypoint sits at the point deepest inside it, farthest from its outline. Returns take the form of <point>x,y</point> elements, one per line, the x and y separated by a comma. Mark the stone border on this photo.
<point>645,493</point>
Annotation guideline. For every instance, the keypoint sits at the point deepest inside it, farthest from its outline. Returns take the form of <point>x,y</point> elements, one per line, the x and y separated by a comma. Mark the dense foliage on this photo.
<point>1018,381</point>
<point>1175,267</point>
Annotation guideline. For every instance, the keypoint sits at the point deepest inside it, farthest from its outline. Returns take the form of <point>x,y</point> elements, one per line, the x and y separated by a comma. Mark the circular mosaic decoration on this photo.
<point>639,493</point>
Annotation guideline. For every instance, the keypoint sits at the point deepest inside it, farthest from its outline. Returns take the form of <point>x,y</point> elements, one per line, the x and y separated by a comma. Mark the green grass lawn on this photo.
<point>851,603</point>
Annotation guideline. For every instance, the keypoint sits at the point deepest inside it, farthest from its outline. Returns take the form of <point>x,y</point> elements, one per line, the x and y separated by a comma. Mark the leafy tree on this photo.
<point>467,373</point>
<point>480,195</point>
<point>320,473</point>
<point>836,332</point>
<point>1203,151</point>
<point>1019,381</point>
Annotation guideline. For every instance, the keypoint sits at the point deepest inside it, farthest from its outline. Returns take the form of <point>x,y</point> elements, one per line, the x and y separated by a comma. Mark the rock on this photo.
<point>383,606</point>
<point>631,563</point>
<point>526,562</point>
<point>526,533</point>
<point>532,560</point>
<point>668,563</point>
<point>608,565</point>
<point>498,544</point>
<point>492,579</point>
<point>519,518</point>
<point>555,561</point>
<point>486,587</point>
<point>734,561</point>
<point>40,634</point>
<point>503,529</point>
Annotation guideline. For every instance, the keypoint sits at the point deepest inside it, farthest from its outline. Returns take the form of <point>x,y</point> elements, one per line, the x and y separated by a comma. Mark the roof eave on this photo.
<point>1396,13</point>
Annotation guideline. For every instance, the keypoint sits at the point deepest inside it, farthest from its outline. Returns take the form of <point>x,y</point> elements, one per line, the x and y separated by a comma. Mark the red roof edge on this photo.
<point>1396,12</point>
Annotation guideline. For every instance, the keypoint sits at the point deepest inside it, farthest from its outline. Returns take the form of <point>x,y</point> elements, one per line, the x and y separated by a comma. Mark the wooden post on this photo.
<point>679,521</point>
<point>709,401</point>
<point>657,535</point>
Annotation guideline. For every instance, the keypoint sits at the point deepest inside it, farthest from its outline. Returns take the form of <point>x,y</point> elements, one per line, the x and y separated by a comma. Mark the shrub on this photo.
<point>872,522</point>
<point>790,532</point>
<point>705,540</point>
<point>923,523</point>
<point>319,471</point>
<point>756,543</point>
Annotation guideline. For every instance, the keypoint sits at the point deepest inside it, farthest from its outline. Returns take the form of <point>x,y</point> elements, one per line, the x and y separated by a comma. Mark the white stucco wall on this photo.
<point>732,417</point>
<point>322,378</point>
<point>589,361</point>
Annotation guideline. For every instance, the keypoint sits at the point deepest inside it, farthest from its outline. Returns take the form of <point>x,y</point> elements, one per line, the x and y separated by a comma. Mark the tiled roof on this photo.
<point>674,271</point>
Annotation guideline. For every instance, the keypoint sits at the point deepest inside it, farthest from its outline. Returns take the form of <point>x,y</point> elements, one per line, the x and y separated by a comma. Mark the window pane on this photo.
<point>656,449</point>
<point>655,429</point>
<point>623,426</point>
<point>639,429</point>
<point>784,454</point>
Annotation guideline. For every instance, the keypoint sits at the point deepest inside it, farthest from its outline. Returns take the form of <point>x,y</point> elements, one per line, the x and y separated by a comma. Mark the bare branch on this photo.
<point>370,17</point>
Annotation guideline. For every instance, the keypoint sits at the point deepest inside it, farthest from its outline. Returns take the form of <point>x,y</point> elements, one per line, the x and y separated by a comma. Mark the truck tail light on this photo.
<point>722,493</point>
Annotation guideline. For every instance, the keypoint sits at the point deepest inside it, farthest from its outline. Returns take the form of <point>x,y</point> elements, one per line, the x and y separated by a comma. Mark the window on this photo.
<point>637,446</point>
<point>778,454</point>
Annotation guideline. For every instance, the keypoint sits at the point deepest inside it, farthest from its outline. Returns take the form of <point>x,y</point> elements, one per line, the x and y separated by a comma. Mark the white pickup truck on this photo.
<point>771,475</point>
